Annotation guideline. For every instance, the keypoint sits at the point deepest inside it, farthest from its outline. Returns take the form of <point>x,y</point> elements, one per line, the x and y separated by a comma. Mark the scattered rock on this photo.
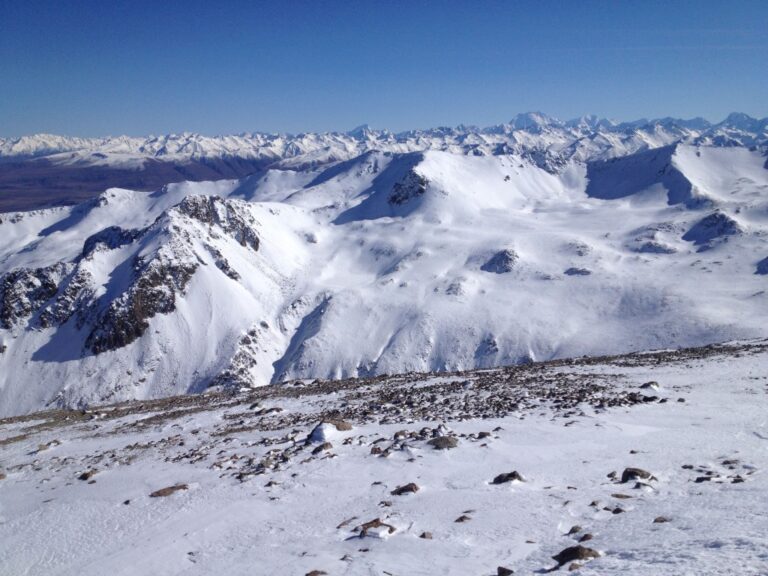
<point>316,573</point>
<point>586,537</point>
<point>463,518</point>
<point>660,520</point>
<point>574,566</point>
<point>168,491</point>
<point>426,535</point>
<point>503,571</point>
<point>410,488</point>
<point>574,530</point>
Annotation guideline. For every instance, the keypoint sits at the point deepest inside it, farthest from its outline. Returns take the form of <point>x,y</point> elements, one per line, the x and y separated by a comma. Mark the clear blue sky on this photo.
<point>111,67</point>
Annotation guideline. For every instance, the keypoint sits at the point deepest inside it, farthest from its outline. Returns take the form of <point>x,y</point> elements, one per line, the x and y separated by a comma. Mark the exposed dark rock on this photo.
<point>157,281</point>
<point>501,262</point>
<point>24,290</point>
<point>228,215</point>
<point>324,447</point>
<point>575,553</point>
<point>654,247</point>
<point>109,239</point>
<point>426,535</point>
<point>577,272</point>
<point>635,474</point>
<point>168,491</point>
<point>503,571</point>
<point>411,186</point>
<point>508,477</point>
<point>762,267</point>
<point>88,474</point>
<point>410,488</point>
<point>660,520</point>
<point>714,227</point>
<point>444,442</point>
<point>375,523</point>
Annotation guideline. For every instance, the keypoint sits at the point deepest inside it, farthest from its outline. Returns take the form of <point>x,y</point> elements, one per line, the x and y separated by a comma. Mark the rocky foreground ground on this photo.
<point>647,463</point>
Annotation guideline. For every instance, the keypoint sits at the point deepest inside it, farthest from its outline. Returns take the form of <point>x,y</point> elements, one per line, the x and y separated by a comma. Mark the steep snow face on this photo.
<point>382,263</point>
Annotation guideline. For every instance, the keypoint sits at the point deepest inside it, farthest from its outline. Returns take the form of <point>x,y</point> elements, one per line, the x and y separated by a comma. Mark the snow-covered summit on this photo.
<point>522,127</point>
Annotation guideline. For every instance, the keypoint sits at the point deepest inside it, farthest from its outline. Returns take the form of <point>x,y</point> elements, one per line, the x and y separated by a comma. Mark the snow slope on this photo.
<point>258,491</point>
<point>384,263</point>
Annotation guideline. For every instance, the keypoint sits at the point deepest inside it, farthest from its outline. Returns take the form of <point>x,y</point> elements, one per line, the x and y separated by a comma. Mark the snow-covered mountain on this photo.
<point>368,253</point>
<point>44,170</point>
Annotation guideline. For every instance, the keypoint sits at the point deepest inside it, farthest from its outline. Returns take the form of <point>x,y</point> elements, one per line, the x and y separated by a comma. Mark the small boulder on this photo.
<point>410,488</point>
<point>635,474</point>
<point>575,553</point>
<point>660,520</point>
<point>88,474</point>
<point>503,571</point>
<point>168,491</point>
<point>443,442</point>
<point>426,535</point>
<point>324,447</point>
<point>508,477</point>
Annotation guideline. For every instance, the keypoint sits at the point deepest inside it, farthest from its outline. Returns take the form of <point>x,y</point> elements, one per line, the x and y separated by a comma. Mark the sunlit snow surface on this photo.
<point>259,500</point>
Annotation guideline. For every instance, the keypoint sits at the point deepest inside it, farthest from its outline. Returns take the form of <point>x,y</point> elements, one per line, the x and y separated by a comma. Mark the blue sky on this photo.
<point>133,67</point>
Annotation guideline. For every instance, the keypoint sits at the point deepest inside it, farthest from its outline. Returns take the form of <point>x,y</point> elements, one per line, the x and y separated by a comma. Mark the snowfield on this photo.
<point>654,463</point>
<point>383,263</point>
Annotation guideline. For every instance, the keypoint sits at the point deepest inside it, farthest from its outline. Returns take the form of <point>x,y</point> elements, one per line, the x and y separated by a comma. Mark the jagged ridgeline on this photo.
<point>370,253</point>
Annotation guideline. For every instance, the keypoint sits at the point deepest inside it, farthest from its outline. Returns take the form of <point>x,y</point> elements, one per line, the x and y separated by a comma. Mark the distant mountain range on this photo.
<point>43,170</point>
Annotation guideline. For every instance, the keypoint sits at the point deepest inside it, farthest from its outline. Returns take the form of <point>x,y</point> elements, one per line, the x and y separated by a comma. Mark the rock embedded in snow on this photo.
<point>167,491</point>
<point>575,553</point>
<point>501,262</point>
<point>715,227</point>
<point>762,267</point>
<point>444,442</point>
<point>577,272</point>
<point>513,476</point>
<point>410,488</point>
<point>630,474</point>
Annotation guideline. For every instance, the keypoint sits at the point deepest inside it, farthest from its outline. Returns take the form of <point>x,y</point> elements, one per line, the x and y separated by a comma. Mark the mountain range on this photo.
<point>44,170</point>
<point>241,261</point>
